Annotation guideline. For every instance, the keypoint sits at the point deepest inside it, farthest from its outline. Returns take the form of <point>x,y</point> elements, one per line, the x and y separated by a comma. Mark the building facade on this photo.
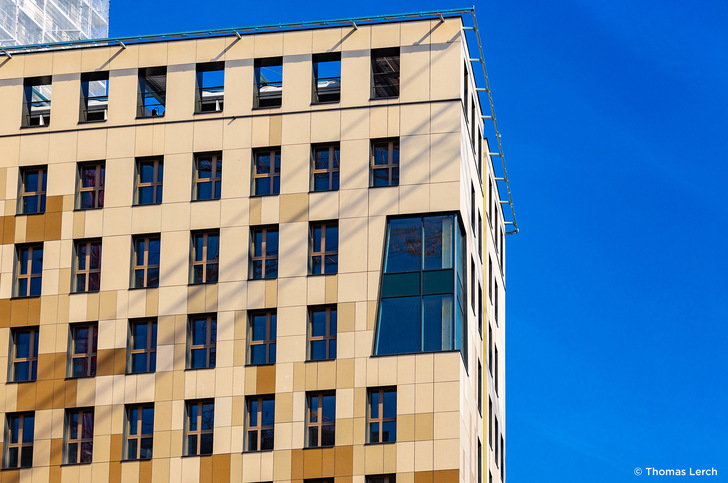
<point>275,256</point>
<point>42,21</point>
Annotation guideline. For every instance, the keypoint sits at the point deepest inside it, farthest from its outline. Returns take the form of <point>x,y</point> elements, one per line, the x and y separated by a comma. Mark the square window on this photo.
<point>79,436</point>
<point>33,185</point>
<point>83,346</point>
<point>202,341</point>
<point>90,185</point>
<point>37,101</point>
<point>264,253</point>
<point>152,92</point>
<point>28,270</point>
<point>149,177</point>
<point>19,437</point>
<point>208,176</point>
<point>205,256</point>
<point>266,172</point>
<point>94,96</point>
<point>322,333</point>
<point>145,271</point>
<point>385,73</point>
<point>325,167</point>
<point>142,346</point>
<point>326,77</point>
<point>87,266</point>
<point>259,423</point>
<point>320,419</point>
<point>268,82</point>
<point>210,87</point>
<point>199,427</point>
<point>262,330</point>
<point>324,245</point>
<point>139,432</point>
<point>384,163</point>
<point>381,479</point>
<point>23,363</point>
<point>382,415</point>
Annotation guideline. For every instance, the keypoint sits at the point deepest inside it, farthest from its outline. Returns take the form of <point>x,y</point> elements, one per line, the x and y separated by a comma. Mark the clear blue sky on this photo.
<point>614,118</point>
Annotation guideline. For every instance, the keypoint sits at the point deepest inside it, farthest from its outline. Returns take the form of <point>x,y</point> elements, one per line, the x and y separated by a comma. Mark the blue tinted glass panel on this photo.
<point>404,245</point>
<point>401,284</point>
<point>399,326</point>
<point>437,315</point>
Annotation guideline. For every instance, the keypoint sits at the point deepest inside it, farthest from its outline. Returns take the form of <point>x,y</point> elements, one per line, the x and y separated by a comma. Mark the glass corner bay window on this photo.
<point>422,300</point>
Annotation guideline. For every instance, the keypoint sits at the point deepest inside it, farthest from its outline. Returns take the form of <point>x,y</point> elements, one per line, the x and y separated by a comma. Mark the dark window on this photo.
<point>79,439</point>
<point>28,270</point>
<point>210,87</point>
<point>324,244</point>
<point>322,333</point>
<point>496,440</point>
<point>423,290</point>
<point>142,346</point>
<point>490,422</point>
<point>495,305</point>
<point>264,253</point>
<point>205,256</point>
<point>385,163</point>
<point>472,210</point>
<point>321,419</point>
<point>268,82</point>
<point>266,172</point>
<point>502,247</point>
<point>490,201</point>
<point>19,436</point>
<point>382,415</point>
<point>146,261</point>
<point>199,426</point>
<point>385,73</point>
<point>82,350</point>
<point>208,176</point>
<point>202,341</point>
<point>33,186</point>
<point>149,177</point>
<point>91,185</point>
<point>381,479</point>
<point>480,156</point>
<point>262,337</point>
<point>326,77</point>
<point>325,169</point>
<point>480,388</point>
<point>480,236</point>
<point>139,432</point>
<point>23,362</point>
<point>495,369</point>
<point>473,278</point>
<point>87,266</point>
<point>473,124</point>
<point>37,101</point>
<point>502,458</point>
<point>480,462</point>
<point>94,96</point>
<point>490,279</point>
<point>152,92</point>
<point>465,91</point>
<point>480,309</point>
<point>259,423</point>
<point>490,350</point>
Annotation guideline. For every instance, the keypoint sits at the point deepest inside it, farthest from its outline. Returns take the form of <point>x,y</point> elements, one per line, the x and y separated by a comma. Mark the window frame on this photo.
<point>328,97</point>
<point>81,414</point>
<point>380,411</point>
<point>199,432</point>
<point>200,103</point>
<point>40,193</point>
<point>145,267</point>
<point>103,109</point>
<point>89,245</point>
<point>91,354</point>
<point>390,167</point>
<point>31,360</point>
<point>319,424</point>
<point>324,254</point>
<point>204,262</point>
<point>210,344</point>
<point>216,161</point>
<point>328,337</point>
<point>21,445</point>
<point>142,105</point>
<point>150,351</point>
<point>263,258</point>
<point>272,101</point>
<point>139,436</point>
<point>42,117</point>
<point>271,335</point>
<point>332,171</point>
<point>396,72</point>
<point>274,157</point>
<point>156,183</point>
<point>98,189</point>
<point>258,428</point>
<point>29,275</point>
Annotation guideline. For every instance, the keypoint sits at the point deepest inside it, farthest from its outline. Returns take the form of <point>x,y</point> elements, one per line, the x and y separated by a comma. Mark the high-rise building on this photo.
<point>254,255</point>
<point>26,22</point>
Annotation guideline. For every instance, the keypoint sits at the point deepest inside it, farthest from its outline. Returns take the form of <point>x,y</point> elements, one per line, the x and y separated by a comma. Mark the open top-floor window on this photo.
<point>268,82</point>
<point>152,92</point>
<point>326,77</point>
<point>422,297</point>
<point>210,87</point>
<point>37,101</point>
<point>385,73</point>
<point>94,96</point>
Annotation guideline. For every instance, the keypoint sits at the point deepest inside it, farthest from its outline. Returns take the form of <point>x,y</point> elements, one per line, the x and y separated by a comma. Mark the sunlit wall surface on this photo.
<point>25,22</point>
